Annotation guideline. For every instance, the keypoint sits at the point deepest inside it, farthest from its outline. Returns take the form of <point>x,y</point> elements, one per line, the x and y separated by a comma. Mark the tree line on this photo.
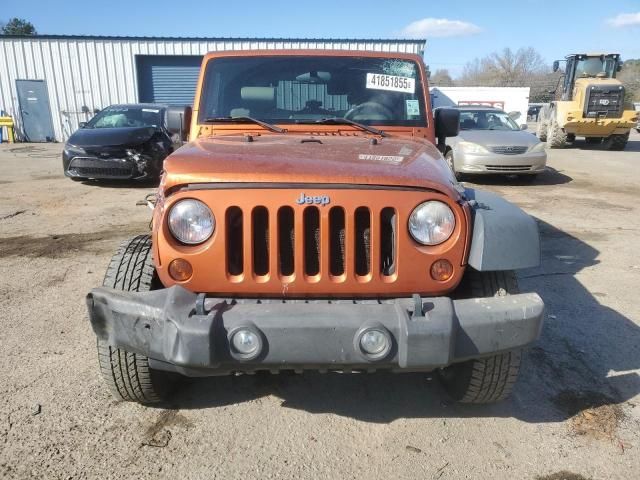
<point>524,67</point>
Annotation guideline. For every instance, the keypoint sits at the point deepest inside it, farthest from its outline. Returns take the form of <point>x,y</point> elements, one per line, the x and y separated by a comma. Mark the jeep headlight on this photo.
<point>191,221</point>
<point>538,147</point>
<point>473,148</point>
<point>431,223</point>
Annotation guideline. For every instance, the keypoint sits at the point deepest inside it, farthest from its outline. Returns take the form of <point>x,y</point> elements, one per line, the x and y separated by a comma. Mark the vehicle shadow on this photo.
<point>633,145</point>
<point>568,370</point>
<point>550,176</point>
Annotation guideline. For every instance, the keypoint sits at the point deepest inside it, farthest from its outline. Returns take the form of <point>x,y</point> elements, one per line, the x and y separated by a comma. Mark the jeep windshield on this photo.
<point>314,89</point>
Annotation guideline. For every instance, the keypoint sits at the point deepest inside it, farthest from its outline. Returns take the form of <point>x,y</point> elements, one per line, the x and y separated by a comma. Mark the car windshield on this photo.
<point>301,89</point>
<point>486,120</point>
<point>594,66</point>
<point>116,117</point>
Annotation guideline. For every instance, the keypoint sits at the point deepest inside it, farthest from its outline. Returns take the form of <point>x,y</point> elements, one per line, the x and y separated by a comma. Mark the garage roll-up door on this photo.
<point>169,79</point>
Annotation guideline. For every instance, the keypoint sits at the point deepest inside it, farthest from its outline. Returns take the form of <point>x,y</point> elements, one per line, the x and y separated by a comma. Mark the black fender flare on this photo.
<point>504,237</point>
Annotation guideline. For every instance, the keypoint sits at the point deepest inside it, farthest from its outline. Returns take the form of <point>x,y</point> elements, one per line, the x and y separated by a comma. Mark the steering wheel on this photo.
<point>383,111</point>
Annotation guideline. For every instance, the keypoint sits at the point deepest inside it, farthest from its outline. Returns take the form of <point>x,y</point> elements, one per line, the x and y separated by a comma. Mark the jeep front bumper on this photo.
<point>187,333</point>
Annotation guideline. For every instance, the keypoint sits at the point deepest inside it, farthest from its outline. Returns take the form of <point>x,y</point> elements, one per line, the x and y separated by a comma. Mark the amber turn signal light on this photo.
<point>180,270</point>
<point>441,270</point>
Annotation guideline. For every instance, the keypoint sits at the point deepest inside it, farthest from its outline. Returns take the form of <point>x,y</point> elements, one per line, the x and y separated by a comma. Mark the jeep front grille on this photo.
<point>604,101</point>
<point>303,249</point>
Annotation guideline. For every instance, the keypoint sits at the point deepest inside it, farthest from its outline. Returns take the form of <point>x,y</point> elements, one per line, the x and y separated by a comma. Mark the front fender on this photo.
<point>504,237</point>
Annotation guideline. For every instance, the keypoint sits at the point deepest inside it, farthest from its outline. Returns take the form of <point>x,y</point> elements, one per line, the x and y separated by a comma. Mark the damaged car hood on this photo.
<point>100,137</point>
<point>299,158</point>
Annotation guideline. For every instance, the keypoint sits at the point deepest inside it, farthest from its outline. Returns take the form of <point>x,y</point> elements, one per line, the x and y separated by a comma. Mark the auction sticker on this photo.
<point>393,83</point>
<point>413,108</point>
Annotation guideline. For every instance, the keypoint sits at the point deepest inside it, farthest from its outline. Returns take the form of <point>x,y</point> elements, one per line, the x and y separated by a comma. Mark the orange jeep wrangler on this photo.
<point>312,224</point>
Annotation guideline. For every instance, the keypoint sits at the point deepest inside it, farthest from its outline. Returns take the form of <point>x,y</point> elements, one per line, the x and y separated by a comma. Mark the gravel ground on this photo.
<point>575,410</point>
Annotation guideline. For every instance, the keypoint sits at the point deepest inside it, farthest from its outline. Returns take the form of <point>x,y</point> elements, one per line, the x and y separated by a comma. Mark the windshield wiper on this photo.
<point>244,119</point>
<point>345,121</point>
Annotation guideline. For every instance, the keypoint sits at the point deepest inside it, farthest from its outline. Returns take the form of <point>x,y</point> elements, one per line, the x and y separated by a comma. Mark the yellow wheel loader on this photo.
<point>589,103</point>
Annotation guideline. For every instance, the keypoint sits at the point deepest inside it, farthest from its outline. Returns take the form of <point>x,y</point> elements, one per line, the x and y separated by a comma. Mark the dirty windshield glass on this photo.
<point>115,117</point>
<point>486,120</point>
<point>293,89</point>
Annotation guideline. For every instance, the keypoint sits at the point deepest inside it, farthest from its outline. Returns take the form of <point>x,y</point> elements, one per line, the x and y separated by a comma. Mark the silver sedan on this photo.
<point>490,142</point>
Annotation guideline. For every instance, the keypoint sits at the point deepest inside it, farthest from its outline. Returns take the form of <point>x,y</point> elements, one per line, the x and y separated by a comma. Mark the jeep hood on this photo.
<point>292,158</point>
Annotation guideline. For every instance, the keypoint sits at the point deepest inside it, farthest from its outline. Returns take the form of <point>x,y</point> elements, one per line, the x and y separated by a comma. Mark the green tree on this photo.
<point>18,26</point>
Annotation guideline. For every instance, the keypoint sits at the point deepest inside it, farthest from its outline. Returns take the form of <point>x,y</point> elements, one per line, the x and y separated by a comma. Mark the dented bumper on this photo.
<point>190,334</point>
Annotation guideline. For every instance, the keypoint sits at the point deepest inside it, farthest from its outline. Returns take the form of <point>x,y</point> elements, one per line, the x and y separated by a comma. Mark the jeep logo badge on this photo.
<point>315,200</point>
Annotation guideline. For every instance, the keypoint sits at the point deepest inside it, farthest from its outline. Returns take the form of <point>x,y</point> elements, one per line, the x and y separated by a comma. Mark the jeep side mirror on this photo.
<point>556,65</point>
<point>447,124</point>
<point>178,120</point>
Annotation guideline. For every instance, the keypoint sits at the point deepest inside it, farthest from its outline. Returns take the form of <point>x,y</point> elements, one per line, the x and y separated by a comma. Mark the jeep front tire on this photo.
<point>489,379</point>
<point>128,374</point>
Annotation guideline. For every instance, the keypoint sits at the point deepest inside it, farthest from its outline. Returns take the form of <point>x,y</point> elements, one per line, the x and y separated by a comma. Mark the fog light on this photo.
<point>375,343</point>
<point>441,270</point>
<point>246,343</point>
<point>180,270</point>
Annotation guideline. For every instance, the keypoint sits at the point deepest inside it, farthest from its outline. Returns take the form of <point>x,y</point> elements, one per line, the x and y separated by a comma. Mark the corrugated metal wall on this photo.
<point>87,73</point>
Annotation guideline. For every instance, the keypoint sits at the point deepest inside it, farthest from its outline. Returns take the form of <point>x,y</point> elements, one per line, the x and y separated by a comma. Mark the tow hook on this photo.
<point>418,308</point>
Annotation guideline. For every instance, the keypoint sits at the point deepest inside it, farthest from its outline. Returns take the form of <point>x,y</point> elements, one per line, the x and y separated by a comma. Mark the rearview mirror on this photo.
<point>314,77</point>
<point>556,65</point>
<point>82,124</point>
<point>524,126</point>
<point>178,120</point>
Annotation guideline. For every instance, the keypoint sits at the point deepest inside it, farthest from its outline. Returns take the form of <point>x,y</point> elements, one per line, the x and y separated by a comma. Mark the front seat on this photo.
<point>256,101</point>
<point>468,124</point>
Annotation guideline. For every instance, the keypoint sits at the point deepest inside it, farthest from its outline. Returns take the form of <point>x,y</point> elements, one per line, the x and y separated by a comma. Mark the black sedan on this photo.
<point>121,142</point>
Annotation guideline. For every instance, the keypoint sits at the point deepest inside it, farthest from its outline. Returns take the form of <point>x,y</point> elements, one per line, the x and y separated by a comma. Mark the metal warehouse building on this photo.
<point>49,84</point>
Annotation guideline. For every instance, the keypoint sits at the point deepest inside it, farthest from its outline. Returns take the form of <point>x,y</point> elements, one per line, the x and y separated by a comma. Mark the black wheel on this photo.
<point>593,140</point>
<point>488,379</point>
<point>556,137</point>
<point>571,137</point>
<point>617,142</point>
<point>449,158</point>
<point>128,374</point>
